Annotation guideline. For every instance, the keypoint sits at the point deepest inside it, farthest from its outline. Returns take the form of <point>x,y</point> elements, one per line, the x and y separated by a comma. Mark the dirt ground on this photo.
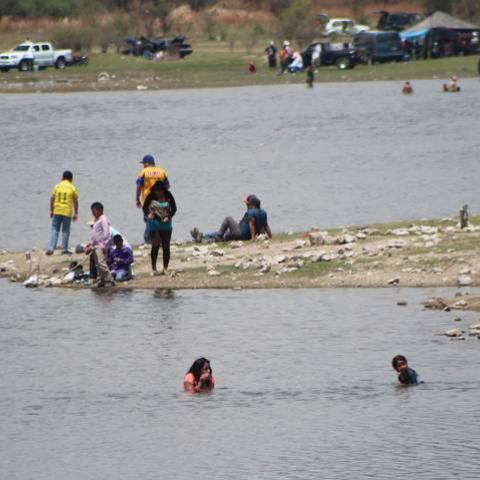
<point>429,253</point>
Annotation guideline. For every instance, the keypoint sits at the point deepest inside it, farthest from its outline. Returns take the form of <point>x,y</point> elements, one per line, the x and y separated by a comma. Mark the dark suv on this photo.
<point>379,47</point>
<point>343,56</point>
<point>397,21</point>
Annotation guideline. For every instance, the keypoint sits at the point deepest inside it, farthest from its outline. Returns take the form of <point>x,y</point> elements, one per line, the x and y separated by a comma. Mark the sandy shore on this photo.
<point>433,253</point>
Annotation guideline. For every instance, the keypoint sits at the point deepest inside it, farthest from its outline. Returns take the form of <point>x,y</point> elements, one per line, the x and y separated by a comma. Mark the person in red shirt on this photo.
<point>200,377</point>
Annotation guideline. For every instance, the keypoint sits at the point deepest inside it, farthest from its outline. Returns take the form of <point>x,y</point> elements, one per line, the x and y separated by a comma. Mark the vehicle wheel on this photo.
<point>5,69</point>
<point>343,63</point>
<point>60,63</point>
<point>25,66</point>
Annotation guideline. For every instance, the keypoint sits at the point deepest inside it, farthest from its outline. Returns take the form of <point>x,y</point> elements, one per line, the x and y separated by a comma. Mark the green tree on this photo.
<point>298,22</point>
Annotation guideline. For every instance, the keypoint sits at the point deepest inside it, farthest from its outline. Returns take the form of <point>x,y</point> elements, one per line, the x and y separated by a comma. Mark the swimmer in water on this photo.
<point>199,378</point>
<point>407,376</point>
<point>452,85</point>
<point>407,88</point>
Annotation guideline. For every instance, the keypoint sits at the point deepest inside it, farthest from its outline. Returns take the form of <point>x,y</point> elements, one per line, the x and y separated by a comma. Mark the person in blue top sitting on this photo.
<point>253,223</point>
<point>407,375</point>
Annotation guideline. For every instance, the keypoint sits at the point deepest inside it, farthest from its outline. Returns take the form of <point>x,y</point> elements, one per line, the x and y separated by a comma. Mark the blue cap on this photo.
<point>148,159</point>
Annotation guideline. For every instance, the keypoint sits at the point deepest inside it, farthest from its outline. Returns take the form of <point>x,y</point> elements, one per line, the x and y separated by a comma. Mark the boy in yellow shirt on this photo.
<point>63,203</point>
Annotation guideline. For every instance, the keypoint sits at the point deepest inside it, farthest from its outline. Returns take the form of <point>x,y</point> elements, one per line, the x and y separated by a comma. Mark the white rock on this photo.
<point>265,269</point>
<point>464,281</point>
<point>361,235</point>
<point>137,253</point>
<point>218,252</point>
<point>425,229</point>
<point>396,244</point>
<point>142,87</point>
<point>31,282</point>
<point>398,232</point>
<point>316,238</point>
<point>213,273</point>
<point>236,244</point>
<point>279,258</point>
<point>465,271</point>
<point>343,239</point>
<point>454,332</point>
<point>329,257</point>
<point>300,244</point>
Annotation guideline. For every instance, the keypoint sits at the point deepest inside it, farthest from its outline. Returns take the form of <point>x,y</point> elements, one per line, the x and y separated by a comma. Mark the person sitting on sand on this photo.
<point>120,259</point>
<point>407,376</point>
<point>407,88</point>
<point>159,208</point>
<point>99,243</point>
<point>200,377</point>
<point>253,223</point>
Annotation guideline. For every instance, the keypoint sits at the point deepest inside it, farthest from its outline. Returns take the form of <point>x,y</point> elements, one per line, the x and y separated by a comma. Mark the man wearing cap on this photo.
<point>253,223</point>
<point>147,178</point>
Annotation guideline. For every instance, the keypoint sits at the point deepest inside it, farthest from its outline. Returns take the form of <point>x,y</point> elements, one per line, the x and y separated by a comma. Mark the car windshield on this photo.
<point>21,48</point>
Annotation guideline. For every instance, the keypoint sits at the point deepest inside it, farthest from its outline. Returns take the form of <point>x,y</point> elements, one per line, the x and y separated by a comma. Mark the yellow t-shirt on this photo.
<point>63,195</point>
<point>148,177</point>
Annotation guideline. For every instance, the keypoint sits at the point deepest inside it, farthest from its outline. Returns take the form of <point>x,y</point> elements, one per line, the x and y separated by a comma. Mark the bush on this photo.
<point>298,22</point>
<point>77,38</point>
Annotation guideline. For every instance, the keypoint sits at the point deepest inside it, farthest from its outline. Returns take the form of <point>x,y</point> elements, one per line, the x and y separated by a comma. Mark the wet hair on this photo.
<point>117,237</point>
<point>97,206</point>
<point>67,175</point>
<point>396,359</point>
<point>197,366</point>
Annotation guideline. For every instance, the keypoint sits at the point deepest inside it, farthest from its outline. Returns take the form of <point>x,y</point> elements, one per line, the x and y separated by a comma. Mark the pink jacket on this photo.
<point>101,232</point>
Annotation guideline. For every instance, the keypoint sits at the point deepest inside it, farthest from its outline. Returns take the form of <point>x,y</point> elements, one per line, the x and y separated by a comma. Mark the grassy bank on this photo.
<point>215,64</point>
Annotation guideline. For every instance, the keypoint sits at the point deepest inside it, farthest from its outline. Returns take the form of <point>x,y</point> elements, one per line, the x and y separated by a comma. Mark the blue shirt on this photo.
<point>260,217</point>
<point>410,378</point>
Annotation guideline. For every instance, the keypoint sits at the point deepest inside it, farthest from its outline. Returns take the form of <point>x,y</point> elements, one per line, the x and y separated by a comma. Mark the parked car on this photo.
<point>379,47</point>
<point>143,47</point>
<point>397,21</point>
<point>339,54</point>
<point>344,26</point>
<point>27,55</point>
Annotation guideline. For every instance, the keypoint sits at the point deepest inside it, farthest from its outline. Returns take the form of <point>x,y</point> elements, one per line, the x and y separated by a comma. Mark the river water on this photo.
<point>339,154</point>
<point>91,386</point>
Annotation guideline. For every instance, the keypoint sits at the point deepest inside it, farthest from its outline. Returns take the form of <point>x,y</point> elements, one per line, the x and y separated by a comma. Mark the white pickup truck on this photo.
<point>28,55</point>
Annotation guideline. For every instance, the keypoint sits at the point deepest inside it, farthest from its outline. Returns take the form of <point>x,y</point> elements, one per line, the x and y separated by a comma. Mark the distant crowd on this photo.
<point>111,256</point>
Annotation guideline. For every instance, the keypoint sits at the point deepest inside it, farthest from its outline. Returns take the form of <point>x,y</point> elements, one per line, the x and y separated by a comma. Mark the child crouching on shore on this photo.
<point>407,375</point>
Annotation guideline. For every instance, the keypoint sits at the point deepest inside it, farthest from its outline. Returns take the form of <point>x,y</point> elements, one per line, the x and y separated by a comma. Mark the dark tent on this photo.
<point>441,35</point>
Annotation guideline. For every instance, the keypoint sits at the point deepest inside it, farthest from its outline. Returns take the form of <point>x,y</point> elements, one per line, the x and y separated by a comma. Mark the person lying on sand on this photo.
<point>253,223</point>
